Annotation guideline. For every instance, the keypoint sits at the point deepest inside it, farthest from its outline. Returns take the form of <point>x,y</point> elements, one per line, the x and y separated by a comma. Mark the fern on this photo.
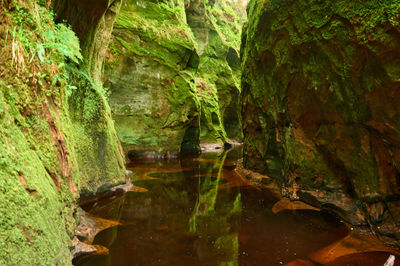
<point>64,41</point>
<point>58,39</point>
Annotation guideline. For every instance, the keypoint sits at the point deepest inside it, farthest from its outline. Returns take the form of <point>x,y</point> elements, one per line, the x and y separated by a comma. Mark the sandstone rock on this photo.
<point>320,103</point>
<point>172,71</point>
<point>150,74</point>
<point>81,249</point>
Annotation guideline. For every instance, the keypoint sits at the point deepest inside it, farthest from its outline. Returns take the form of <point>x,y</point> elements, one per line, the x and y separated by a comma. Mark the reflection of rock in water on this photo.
<point>191,214</point>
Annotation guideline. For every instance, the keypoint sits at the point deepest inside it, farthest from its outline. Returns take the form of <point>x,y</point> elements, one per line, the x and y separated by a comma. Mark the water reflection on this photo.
<point>199,212</point>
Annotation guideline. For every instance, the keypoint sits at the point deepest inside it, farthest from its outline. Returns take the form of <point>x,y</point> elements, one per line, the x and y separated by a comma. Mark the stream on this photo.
<point>199,211</point>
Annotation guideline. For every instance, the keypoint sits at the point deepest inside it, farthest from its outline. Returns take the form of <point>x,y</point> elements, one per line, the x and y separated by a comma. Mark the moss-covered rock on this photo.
<point>160,86</point>
<point>57,138</point>
<point>150,75</point>
<point>217,27</point>
<point>320,89</point>
<point>100,155</point>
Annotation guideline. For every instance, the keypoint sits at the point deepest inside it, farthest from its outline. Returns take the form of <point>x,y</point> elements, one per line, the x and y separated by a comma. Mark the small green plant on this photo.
<point>70,90</point>
<point>1,110</point>
<point>42,48</point>
<point>64,41</point>
<point>3,160</point>
<point>59,39</point>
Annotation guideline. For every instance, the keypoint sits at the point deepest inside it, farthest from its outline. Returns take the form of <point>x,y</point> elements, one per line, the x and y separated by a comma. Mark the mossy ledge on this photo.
<point>320,93</point>
<point>57,138</point>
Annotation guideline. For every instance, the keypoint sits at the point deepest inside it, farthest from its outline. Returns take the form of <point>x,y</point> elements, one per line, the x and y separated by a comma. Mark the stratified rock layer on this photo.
<point>321,86</point>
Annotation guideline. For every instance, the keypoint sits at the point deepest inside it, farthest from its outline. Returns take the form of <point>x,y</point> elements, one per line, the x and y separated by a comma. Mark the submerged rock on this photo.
<point>320,93</point>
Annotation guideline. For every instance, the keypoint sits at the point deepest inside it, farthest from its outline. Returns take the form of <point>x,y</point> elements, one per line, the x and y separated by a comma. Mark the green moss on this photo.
<point>33,229</point>
<point>165,100</point>
<point>158,23</point>
<point>56,136</point>
<point>152,34</point>
<point>27,234</point>
<point>100,156</point>
<point>218,72</point>
<point>227,19</point>
<point>314,76</point>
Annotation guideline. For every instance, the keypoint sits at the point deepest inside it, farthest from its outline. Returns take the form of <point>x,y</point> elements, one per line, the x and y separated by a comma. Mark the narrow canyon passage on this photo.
<point>200,211</point>
<point>200,132</point>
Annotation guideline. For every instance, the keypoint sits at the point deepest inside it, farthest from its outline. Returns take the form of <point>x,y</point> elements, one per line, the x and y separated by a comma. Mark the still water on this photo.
<point>199,211</point>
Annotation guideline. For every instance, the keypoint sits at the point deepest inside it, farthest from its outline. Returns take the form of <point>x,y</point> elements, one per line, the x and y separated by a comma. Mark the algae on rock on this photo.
<point>320,88</point>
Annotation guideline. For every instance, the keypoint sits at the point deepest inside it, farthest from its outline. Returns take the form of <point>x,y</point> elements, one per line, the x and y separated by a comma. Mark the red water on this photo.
<point>198,212</point>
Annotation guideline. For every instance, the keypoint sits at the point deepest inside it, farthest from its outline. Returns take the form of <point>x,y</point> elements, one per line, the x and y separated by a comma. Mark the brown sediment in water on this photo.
<point>101,250</point>
<point>286,204</point>
<point>300,262</point>
<point>85,233</point>
<point>90,225</point>
<point>356,249</point>
<point>354,243</point>
<point>363,246</point>
<point>138,189</point>
<point>283,204</point>
<point>233,179</point>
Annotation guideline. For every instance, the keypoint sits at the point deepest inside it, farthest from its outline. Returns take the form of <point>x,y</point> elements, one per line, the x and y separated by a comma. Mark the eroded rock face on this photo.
<point>216,26</point>
<point>321,85</point>
<point>169,76</point>
<point>150,74</point>
<point>92,21</point>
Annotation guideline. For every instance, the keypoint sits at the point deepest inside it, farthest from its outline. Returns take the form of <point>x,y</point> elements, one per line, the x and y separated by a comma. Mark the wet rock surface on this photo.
<point>80,249</point>
<point>320,99</point>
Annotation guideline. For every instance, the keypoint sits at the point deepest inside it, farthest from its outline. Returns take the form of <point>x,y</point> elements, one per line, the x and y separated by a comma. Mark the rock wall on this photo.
<point>321,85</point>
<point>99,151</point>
<point>216,26</point>
<point>156,74</point>
<point>150,74</point>
<point>57,139</point>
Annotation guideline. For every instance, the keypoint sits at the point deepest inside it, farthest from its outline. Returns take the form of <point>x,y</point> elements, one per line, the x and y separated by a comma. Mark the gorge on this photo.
<point>126,112</point>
